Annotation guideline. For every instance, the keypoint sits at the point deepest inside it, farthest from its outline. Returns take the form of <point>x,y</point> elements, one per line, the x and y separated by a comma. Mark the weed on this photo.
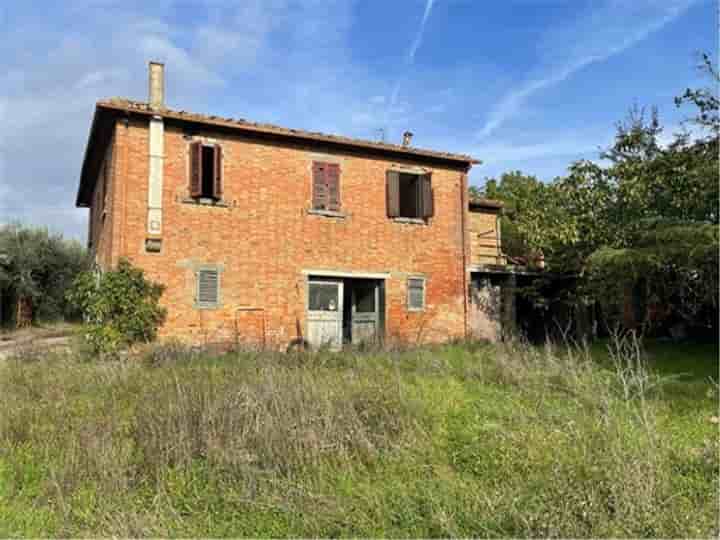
<point>456,440</point>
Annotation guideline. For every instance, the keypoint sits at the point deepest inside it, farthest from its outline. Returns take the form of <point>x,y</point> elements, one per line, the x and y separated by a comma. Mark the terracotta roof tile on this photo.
<point>123,104</point>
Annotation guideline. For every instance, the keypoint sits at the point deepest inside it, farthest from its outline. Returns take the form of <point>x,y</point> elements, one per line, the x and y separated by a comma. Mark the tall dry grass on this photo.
<point>460,440</point>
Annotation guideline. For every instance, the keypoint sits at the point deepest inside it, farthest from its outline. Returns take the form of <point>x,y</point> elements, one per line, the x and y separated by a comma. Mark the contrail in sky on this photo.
<point>600,36</point>
<point>410,58</point>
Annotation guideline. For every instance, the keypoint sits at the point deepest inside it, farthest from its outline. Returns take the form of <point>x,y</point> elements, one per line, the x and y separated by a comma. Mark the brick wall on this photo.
<point>264,238</point>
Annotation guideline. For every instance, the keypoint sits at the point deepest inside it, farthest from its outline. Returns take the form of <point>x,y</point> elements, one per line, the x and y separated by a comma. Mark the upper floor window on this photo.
<point>326,186</point>
<point>206,171</point>
<point>409,195</point>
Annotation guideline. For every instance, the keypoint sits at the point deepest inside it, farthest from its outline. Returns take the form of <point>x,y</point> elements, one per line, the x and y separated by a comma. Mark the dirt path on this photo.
<point>42,338</point>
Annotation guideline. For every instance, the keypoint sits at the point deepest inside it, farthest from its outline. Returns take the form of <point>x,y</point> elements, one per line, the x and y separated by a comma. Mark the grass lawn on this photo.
<point>459,440</point>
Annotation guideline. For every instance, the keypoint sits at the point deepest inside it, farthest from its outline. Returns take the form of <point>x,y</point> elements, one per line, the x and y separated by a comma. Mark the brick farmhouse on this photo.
<point>277,236</point>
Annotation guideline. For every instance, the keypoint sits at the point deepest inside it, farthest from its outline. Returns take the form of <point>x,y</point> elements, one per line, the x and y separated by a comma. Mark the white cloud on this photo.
<point>565,146</point>
<point>179,60</point>
<point>94,78</point>
<point>605,31</point>
<point>48,89</point>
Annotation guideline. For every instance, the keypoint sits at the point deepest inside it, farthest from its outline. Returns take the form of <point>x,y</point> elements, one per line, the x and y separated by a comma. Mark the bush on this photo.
<point>120,307</point>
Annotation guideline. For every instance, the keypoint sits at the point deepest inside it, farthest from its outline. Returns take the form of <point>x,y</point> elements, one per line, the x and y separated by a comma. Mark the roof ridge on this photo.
<point>144,107</point>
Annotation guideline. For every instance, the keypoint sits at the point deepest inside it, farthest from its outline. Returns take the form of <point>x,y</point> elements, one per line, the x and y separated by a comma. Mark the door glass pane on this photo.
<point>323,297</point>
<point>365,299</point>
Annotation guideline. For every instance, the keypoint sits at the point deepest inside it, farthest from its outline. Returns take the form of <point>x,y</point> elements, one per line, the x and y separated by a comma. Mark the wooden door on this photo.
<point>365,312</point>
<point>324,315</point>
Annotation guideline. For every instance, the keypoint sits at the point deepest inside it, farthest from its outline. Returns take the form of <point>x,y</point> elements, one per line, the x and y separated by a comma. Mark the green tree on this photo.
<point>646,213</point>
<point>533,219</point>
<point>120,307</point>
<point>39,266</point>
<point>663,217</point>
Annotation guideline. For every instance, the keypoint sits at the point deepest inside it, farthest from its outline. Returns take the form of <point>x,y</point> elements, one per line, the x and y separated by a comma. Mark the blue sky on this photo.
<point>519,84</point>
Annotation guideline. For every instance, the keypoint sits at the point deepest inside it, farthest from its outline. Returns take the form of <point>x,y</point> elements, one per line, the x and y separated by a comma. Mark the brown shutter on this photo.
<point>218,183</point>
<point>319,188</point>
<point>195,169</point>
<point>426,196</point>
<point>393,193</point>
<point>332,181</point>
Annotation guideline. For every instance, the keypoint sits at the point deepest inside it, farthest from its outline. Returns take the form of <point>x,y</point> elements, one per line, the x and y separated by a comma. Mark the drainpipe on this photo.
<point>156,155</point>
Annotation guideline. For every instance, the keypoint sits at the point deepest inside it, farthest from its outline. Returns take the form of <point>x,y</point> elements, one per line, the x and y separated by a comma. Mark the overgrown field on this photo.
<point>461,440</point>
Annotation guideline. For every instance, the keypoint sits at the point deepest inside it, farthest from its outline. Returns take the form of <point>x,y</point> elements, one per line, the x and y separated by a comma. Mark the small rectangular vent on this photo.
<point>153,245</point>
<point>208,284</point>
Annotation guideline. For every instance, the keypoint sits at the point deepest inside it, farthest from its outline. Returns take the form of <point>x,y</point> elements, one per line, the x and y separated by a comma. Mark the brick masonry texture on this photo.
<point>264,238</point>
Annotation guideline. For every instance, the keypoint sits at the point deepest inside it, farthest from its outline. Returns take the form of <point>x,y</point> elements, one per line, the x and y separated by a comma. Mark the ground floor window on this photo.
<point>416,294</point>
<point>207,288</point>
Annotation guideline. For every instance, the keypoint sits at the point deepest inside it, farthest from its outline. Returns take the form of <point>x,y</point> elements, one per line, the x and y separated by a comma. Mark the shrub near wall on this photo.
<point>120,307</point>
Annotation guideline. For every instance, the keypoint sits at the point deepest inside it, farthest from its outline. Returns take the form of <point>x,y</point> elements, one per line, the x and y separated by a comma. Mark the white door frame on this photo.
<point>325,316</point>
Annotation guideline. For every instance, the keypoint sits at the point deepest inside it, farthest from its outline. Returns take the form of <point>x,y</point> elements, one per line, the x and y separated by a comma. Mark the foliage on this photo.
<point>705,100</point>
<point>40,266</point>
<point>646,209</point>
<point>536,218</point>
<point>677,265</point>
<point>120,306</point>
<point>463,440</point>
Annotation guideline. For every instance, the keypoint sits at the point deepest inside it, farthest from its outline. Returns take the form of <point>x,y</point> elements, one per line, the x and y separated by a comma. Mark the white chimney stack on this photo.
<point>407,138</point>
<point>157,85</point>
<point>156,75</point>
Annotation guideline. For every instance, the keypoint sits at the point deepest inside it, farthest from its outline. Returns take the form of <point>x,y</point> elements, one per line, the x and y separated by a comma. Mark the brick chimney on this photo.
<point>156,74</point>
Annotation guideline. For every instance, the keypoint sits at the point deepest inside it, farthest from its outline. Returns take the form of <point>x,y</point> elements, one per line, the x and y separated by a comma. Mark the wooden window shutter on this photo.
<point>195,169</point>
<point>426,196</point>
<point>332,183</point>
<point>319,188</point>
<point>217,181</point>
<point>393,193</point>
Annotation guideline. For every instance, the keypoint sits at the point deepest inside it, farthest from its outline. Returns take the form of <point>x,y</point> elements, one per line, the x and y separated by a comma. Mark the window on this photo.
<point>326,186</point>
<point>207,294</point>
<point>416,294</point>
<point>205,171</point>
<point>409,195</point>
<point>323,296</point>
